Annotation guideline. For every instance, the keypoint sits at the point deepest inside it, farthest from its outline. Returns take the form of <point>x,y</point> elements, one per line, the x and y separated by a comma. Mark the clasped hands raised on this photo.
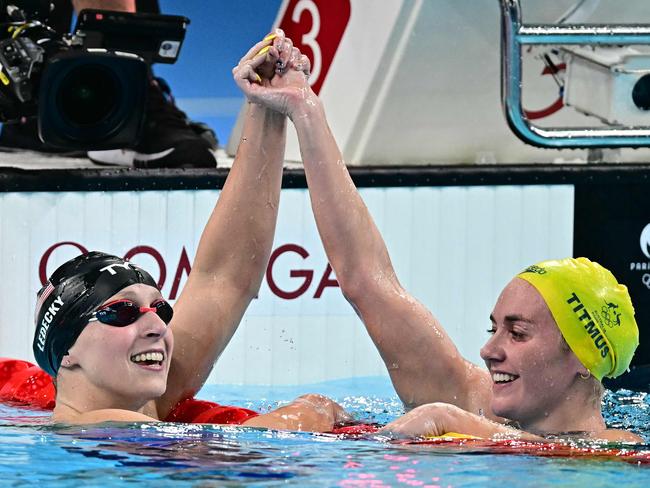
<point>274,74</point>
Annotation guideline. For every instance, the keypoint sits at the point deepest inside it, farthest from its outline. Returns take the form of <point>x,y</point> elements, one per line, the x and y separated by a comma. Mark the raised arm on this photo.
<point>424,364</point>
<point>235,245</point>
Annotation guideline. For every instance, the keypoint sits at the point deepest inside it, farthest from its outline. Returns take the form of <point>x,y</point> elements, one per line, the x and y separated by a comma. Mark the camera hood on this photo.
<point>92,99</point>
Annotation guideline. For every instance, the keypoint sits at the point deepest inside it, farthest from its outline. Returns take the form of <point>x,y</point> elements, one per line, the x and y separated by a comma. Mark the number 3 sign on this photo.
<point>316,28</point>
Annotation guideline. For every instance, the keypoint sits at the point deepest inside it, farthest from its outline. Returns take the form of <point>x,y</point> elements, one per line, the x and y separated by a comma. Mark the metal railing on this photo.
<point>515,35</point>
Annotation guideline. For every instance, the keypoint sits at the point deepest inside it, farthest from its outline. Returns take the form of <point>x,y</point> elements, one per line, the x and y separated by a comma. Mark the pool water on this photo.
<point>33,453</point>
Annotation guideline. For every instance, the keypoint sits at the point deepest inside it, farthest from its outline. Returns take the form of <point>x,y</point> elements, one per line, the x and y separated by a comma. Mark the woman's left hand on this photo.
<point>439,419</point>
<point>425,420</point>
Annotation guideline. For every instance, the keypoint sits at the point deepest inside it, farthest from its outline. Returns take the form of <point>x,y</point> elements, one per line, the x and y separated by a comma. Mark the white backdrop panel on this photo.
<point>454,248</point>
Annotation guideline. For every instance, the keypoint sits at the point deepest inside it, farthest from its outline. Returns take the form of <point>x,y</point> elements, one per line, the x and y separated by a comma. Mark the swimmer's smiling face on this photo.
<point>532,368</point>
<point>127,365</point>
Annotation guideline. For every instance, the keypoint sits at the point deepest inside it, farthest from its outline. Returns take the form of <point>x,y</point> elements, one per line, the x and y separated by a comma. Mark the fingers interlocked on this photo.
<point>260,60</point>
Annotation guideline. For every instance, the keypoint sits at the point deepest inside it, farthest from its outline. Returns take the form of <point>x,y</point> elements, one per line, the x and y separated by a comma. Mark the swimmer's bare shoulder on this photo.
<point>103,415</point>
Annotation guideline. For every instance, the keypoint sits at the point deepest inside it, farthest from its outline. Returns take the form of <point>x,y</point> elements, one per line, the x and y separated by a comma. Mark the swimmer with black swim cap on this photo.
<point>101,330</point>
<point>68,302</point>
<point>106,334</point>
<point>538,378</point>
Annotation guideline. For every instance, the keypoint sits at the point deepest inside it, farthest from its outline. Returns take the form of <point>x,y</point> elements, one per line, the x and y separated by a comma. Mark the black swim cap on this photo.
<point>69,298</point>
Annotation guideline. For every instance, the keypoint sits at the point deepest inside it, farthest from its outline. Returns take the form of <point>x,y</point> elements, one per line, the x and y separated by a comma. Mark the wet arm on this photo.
<point>231,257</point>
<point>438,419</point>
<point>310,413</point>
<point>424,364</point>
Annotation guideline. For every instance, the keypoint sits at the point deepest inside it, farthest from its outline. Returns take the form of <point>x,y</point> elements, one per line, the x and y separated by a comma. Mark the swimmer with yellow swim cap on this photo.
<point>592,310</point>
<point>557,329</point>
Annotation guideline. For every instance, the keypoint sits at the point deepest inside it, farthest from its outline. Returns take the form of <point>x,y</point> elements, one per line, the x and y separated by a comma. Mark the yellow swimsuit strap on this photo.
<point>452,435</point>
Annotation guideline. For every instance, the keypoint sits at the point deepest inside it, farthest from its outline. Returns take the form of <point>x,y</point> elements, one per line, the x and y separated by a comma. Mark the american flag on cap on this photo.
<point>45,292</point>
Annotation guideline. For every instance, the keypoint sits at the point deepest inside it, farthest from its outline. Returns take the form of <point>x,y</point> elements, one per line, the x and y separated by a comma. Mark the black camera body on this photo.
<point>88,89</point>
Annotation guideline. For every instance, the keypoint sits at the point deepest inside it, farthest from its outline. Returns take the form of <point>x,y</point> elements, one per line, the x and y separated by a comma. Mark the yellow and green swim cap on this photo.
<point>593,311</point>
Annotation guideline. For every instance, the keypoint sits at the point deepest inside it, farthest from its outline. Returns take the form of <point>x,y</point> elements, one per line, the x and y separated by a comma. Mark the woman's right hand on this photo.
<point>285,87</point>
<point>322,410</point>
<point>310,413</point>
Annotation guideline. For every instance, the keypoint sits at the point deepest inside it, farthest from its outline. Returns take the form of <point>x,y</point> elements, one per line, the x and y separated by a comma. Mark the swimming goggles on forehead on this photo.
<point>124,312</point>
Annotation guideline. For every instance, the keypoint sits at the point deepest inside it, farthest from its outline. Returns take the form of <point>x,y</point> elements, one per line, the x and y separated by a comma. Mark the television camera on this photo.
<point>88,89</point>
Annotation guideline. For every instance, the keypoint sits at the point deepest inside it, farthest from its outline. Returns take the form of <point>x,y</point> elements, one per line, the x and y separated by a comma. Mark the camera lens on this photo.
<point>92,100</point>
<point>88,95</point>
<point>641,93</point>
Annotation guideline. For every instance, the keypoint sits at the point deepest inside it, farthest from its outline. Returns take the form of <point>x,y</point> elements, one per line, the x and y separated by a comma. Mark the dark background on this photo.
<point>608,222</point>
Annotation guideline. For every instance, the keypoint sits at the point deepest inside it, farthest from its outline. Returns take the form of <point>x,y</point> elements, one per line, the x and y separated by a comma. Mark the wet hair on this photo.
<point>69,298</point>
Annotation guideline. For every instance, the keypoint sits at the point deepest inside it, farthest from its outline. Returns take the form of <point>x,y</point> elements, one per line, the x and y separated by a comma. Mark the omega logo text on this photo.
<point>278,269</point>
